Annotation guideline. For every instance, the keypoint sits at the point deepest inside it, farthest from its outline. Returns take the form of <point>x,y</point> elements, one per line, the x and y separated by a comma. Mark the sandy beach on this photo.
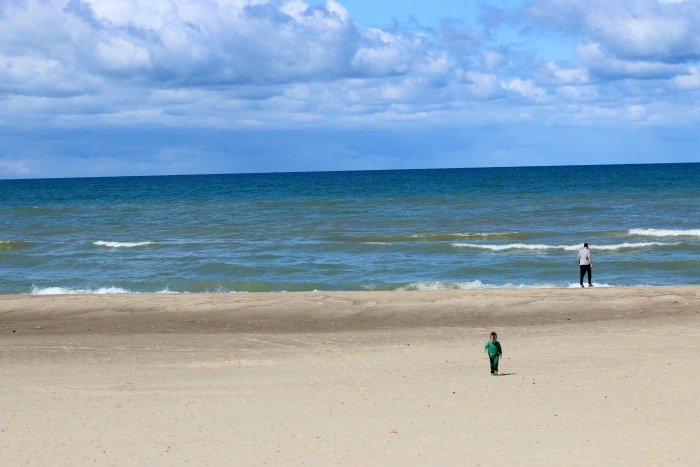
<point>594,376</point>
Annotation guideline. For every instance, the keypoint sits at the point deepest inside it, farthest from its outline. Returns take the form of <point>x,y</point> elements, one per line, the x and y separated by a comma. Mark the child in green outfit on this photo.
<point>493,348</point>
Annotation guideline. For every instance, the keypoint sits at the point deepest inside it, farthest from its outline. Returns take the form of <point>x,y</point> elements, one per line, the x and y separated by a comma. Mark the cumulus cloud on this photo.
<point>601,63</point>
<point>627,39</point>
<point>689,81</point>
<point>565,75</point>
<point>120,54</point>
<point>201,42</point>
<point>58,48</point>
<point>293,64</point>
<point>525,88</point>
<point>483,85</point>
<point>127,54</point>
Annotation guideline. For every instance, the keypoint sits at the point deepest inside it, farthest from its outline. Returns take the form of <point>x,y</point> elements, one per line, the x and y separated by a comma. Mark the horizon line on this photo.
<point>342,171</point>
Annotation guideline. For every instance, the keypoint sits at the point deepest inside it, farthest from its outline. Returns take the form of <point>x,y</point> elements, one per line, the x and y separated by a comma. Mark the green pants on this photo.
<point>494,363</point>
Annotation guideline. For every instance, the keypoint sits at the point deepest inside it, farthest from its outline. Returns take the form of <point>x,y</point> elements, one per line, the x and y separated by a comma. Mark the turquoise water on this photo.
<point>417,229</point>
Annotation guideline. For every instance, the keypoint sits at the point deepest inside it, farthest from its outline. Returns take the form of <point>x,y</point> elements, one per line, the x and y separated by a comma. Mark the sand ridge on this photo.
<point>329,311</point>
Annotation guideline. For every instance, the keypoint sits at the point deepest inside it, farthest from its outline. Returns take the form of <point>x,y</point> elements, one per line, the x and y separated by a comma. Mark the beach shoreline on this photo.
<point>329,311</point>
<point>600,376</point>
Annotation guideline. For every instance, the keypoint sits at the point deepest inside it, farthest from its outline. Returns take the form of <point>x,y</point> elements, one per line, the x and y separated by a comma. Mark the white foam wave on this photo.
<point>120,244</point>
<point>466,235</point>
<point>628,245</point>
<point>67,291</point>
<point>514,246</point>
<point>98,291</point>
<point>477,284</point>
<point>665,232</point>
<point>539,246</point>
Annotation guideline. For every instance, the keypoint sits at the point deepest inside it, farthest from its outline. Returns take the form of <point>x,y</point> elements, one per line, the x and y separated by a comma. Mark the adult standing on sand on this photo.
<point>585,264</point>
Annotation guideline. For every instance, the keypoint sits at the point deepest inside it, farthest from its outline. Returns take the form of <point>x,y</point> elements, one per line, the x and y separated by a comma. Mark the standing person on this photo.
<point>493,348</point>
<point>585,264</point>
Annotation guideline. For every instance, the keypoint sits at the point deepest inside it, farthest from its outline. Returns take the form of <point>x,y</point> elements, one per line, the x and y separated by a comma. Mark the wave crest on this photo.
<point>121,244</point>
<point>67,291</point>
<point>430,237</point>
<point>36,290</point>
<point>542,247</point>
<point>665,232</point>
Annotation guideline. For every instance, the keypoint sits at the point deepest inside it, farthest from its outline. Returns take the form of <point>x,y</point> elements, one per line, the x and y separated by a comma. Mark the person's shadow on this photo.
<point>506,374</point>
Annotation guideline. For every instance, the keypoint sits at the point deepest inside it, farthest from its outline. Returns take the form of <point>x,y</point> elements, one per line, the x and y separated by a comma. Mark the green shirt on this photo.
<point>493,349</point>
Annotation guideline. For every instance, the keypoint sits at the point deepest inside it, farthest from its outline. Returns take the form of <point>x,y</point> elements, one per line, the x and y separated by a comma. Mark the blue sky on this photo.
<point>384,13</point>
<point>133,87</point>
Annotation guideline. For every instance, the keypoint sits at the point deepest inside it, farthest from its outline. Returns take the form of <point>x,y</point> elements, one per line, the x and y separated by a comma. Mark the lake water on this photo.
<point>378,230</point>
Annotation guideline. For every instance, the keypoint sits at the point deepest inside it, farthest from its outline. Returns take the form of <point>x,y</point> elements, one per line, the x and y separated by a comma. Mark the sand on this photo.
<point>594,376</point>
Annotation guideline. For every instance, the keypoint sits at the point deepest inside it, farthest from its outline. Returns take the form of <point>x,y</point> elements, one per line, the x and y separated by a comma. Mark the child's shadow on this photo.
<point>506,374</point>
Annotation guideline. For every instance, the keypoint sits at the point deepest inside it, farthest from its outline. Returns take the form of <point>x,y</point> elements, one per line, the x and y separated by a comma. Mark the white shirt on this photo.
<point>584,257</point>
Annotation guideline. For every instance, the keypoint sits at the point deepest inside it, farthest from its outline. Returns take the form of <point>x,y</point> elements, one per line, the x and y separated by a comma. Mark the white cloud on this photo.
<point>690,81</point>
<point>650,37</point>
<point>629,38</point>
<point>276,64</point>
<point>594,57</point>
<point>636,110</point>
<point>566,75</point>
<point>525,88</point>
<point>198,42</point>
<point>483,85</point>
<point>31,74</point>
<point>338,10</point>
<point>383,54</point>
<point>121,54</point>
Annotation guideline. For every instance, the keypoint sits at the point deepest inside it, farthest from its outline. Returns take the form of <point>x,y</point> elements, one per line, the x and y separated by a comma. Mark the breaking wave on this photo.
<point>542,247</point>
<point>67,291</point>
<point>430,237</point>
<point>665,232</point>
<point>121,244</point>
<point>96,291</point>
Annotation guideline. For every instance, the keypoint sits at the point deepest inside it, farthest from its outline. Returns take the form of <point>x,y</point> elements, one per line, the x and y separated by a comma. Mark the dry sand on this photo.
<point>600,376</point>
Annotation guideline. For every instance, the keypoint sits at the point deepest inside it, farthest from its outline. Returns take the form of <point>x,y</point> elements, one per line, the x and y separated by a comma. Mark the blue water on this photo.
<point>386,230</point>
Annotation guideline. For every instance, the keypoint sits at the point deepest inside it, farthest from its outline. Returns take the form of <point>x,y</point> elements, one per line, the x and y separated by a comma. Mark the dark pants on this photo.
<point>494,363</point>
<point>585,268</point>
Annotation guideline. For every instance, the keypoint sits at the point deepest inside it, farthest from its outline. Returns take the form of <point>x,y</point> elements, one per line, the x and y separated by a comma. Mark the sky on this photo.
<point>136,87</point>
